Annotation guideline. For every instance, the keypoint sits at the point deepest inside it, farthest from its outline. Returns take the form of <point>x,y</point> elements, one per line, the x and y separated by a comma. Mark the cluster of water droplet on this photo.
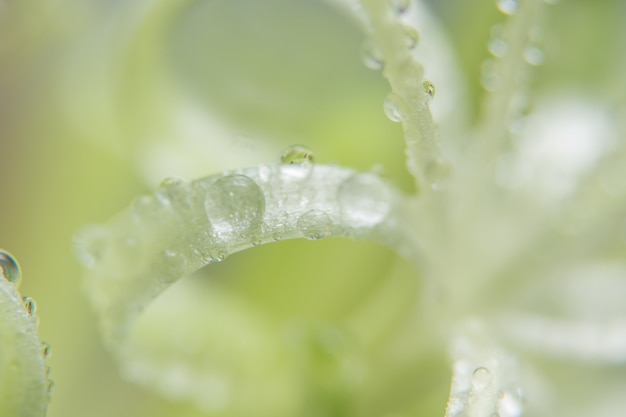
<point>498,46</point>
<point>10,271</point>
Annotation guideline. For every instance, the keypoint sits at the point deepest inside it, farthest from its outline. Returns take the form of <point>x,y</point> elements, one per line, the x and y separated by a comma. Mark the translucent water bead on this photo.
<point>364,200</point>
<point>429,89</point>
<point>297,154</point>
<point>507,7</point>
<point>9,268</point>
<point>298,161</point>
<point>372,56</point>
<point>314,224</point>
<point>234,204</point>
<point>391,109</point>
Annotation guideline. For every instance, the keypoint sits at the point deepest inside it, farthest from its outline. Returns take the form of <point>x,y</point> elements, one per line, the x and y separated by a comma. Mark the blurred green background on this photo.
<point>99,100</point>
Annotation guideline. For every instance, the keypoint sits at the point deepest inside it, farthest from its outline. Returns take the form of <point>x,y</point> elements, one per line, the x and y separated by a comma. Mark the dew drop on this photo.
<point>481,378</point>
<point>364,200</point>
<point>218,256</point>
<point>50,387</point>
<point>170,190</point>
<point>46,350</point>
<point>297,155</point>
<point>255,240</point>
<point>390,106</point>
<point>411,37</point>
<point>372,56</point>
<point>429,89</point>
<point>437,173</point>
<point>399,7</point>
<point>9,268</point>
<point>498,47</point>
<point>29,305</point>
<point>234,204</point>
<point>141,208</point>
<point>508,7</point>
<point>297,161</point>
<point>314,224</point>
<point>276,237</point>
<point>510,405</point>
<point>533,55</point>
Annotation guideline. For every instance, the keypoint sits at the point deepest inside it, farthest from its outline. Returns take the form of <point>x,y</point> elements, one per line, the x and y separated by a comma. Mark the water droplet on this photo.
<point>510,405</point>
<point>234,204</point>
<point>276,237</point>
<point>9,268</point>
<point>364,200</point>
<point>399,7</point>
<point>507,7</point>
<point>141,208</point>
<point>218,256</point>
<point>29,305</point>
<point>50,387</point>
<point>314,224</point>
<point>481,378</point>
<point>533,55</point>
<point>297,162</point>
<point>390,106</point>
<point>170,190</point>
<point>429,89</point>
<point>297,155</point>
<point>498,47</point>
<point>411,37</point>
<point>372,56</point>
<point>437,173</point>
<point>255,240</point>
<point>46,350</point>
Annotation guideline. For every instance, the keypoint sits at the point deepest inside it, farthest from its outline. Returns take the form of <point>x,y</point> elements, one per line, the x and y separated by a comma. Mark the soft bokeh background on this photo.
<point>99,100</point>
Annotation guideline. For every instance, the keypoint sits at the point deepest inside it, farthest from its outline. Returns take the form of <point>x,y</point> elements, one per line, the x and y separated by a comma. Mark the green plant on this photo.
<point>493,245</point>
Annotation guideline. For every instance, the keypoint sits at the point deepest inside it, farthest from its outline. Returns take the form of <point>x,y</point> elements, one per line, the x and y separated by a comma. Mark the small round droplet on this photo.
<point>255,240</point>
<point>29,305</point>
<point>50,387</point>
<point>297,162</point>
<point>481,378</point>
<point>429,89</point>
<point>314,224</point>
<point>510,405</point>
<point>234,204</point>
<point>533,55</point>
<point>276,237</point>
<point>399,7</point>
<point>437,173</point>
<point>170,190</point>
<point>498,47</point>
<point>46,350</point>
<point>9,268</point>
<point>364,200</point>
<point>507,7</point>
<point>372,56</point>
<point>411,37</point>
<point>297,155</point>
<point>218,256</point>
<point>390,106</point>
